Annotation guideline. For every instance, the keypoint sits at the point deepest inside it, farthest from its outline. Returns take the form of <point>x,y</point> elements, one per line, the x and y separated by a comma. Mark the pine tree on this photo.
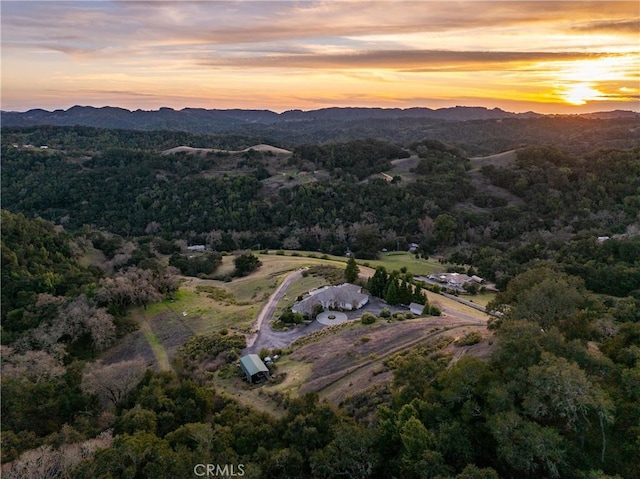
<point>404,293</point>
<point>418,296</point>
<point>392,295</point>
<point>352,271</point>
<point>378,282</point>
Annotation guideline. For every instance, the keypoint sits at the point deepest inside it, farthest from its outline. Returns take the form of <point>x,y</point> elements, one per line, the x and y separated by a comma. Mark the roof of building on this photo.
<point>252,364</point>
<point>345,293</point>
<point>416,308</point>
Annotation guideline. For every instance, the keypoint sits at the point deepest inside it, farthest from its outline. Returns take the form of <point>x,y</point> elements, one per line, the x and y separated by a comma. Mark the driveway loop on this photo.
<point>331,317</point>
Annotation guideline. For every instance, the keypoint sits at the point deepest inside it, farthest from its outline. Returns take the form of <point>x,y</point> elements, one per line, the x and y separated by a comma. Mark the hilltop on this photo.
<point>200,120</point>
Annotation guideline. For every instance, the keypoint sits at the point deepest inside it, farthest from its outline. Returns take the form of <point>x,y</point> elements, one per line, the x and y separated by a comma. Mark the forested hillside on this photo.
<point>95,229</point>
<point>328,197</point>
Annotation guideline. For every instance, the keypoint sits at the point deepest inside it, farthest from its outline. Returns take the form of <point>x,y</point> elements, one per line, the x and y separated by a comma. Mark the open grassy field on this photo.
<point>395,260</point>
<point>402,168</point>
<point>481,298</point>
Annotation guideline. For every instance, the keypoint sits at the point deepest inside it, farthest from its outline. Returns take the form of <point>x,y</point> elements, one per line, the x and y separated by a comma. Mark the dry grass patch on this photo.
<point>343,363</point>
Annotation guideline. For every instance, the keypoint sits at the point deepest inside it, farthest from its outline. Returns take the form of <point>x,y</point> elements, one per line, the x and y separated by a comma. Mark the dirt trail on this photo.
<point>269,309</point>
<point>155,344</point>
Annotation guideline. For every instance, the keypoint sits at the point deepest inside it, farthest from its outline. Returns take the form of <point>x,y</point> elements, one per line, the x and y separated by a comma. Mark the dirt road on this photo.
<point>270,308</point>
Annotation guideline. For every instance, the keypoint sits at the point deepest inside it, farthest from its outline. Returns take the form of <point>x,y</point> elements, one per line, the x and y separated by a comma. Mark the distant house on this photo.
<point>196,247</point>
<point>416,308</point>
<point>253,368</point>
<point>456,280</point>
<point>346,296</point>
<point>453,279</point>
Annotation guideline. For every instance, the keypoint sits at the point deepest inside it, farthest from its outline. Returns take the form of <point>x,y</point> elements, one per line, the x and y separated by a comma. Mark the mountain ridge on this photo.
<point>190,118</point>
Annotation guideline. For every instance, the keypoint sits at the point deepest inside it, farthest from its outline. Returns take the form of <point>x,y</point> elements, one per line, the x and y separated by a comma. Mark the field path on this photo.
<point>270,308</point>
<point>155,344</point>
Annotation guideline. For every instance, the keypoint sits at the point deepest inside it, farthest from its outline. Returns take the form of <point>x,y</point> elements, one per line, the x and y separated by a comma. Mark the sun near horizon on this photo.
<point>544,56</point>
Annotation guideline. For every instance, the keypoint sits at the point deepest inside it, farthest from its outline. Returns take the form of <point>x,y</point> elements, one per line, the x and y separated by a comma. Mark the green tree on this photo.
<point>246,263</point>
<point>392,295</point>
<point>526,448</point>
<point>349,454</point>
<point>420,459</point>
<point>378,282</point>
<point>445,230</point>
<point>352,271</point>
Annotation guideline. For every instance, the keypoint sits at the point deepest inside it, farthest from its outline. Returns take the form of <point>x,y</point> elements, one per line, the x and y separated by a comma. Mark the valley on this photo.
<point>139,267</point>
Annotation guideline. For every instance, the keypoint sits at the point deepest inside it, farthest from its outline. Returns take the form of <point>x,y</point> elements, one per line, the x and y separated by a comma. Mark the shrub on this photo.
<point>385,313</point>
<point>264,352</point>
<point>246,263</point>
<point>434,311</point>
<point>474,337</point>
<point>368,318</point>
<point>289,317</point>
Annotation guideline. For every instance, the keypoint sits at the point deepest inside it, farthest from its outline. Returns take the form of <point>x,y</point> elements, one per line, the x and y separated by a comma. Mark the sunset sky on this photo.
<point>545,56</point>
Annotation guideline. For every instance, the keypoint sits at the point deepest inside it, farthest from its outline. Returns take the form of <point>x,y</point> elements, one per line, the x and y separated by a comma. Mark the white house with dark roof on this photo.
<point>346,296</point>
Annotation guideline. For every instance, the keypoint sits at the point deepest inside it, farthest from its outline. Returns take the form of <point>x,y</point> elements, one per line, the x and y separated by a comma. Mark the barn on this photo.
<point>253,368</point>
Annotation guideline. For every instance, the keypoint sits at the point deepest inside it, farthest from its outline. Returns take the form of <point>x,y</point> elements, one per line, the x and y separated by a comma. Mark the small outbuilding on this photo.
<point>416,308</point>
<point>253,368</point>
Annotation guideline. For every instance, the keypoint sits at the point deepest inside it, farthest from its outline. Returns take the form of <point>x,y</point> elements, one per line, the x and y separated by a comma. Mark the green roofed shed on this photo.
<point>253,367</point>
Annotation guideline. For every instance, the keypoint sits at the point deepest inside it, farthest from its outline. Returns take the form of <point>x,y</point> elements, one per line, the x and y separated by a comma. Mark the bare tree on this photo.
<point>167,280</point>
<point>68,323</point>
<point>82,317</point>
<point>133,286</point>
<point>291,243</point>
<point>112,382</point>
<point>34,366</point>
<point>46,462</point>
<point>426,227</point>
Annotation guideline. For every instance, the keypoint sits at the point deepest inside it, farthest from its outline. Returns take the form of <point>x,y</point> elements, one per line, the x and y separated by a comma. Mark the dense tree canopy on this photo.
<point>555,395</point>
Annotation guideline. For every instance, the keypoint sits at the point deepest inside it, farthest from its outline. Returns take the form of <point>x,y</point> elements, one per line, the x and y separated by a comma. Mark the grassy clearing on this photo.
<point>454,307</point>
<point>296,374</point>
<point>398,259</point>
<point>394,260</point>
<point>402,168</point>
<point>482,298</point>
<point>503,159</point>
